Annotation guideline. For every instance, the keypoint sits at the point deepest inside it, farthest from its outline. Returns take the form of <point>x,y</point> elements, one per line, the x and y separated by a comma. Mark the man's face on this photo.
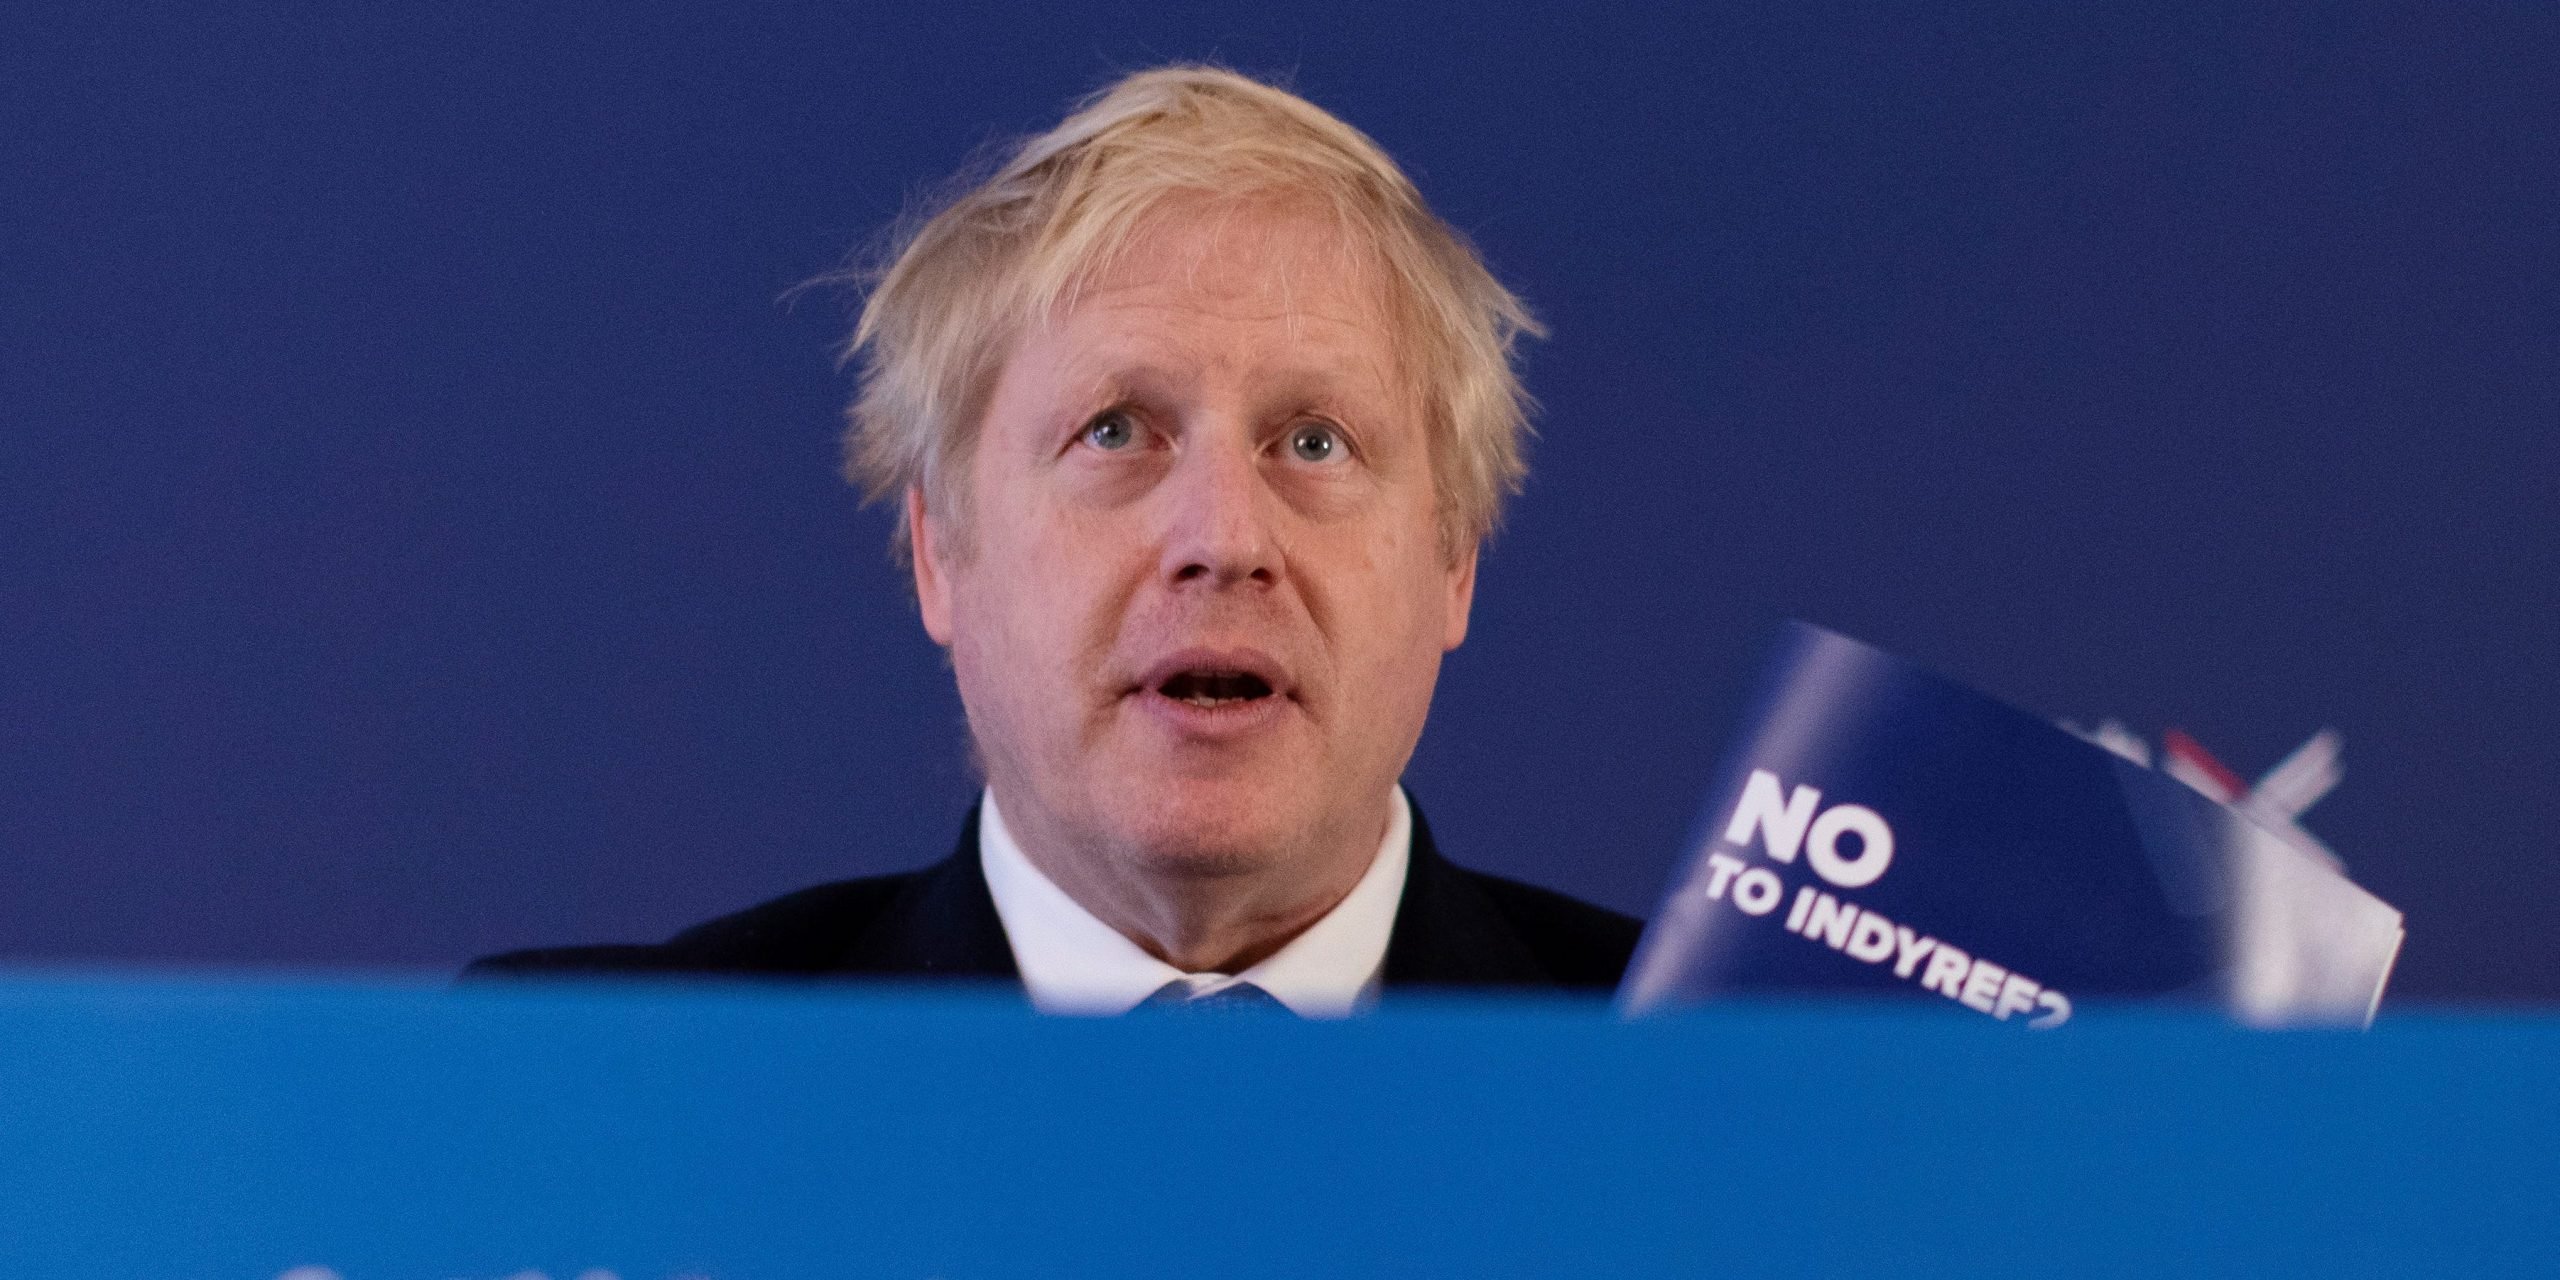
<point>1203,598</point>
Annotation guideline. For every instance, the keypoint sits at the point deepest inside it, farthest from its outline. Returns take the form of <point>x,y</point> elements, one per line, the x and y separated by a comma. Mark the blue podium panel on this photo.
<point>178,1129</point>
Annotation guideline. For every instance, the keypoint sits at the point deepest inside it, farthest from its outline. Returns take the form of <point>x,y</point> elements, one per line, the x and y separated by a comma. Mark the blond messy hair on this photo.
<point>959,286</point>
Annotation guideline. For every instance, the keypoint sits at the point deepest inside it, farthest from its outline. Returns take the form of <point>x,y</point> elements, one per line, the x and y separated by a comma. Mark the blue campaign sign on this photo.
<point>1880,830</point>
<point>262,1130</point>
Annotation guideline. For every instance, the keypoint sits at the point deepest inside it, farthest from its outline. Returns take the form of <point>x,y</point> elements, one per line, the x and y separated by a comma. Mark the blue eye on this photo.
<point>1111,431</point>
<point>1316,442</point>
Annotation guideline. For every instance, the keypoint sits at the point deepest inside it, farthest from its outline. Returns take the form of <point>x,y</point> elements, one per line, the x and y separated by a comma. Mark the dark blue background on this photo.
<point>418,523</point>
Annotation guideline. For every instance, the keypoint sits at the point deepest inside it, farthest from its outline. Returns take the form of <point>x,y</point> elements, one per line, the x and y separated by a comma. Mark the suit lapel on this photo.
<point>942,923</point>
<point>1449,932</point>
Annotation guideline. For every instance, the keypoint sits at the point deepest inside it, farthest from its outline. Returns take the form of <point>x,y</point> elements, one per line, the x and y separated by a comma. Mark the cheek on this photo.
<point>1403,589</point>
<point>1005,617</point>
<point>1044,596</point>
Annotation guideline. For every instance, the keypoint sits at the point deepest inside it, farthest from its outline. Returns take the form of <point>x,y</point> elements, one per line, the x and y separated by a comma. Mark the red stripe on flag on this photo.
<point>2176,742</point>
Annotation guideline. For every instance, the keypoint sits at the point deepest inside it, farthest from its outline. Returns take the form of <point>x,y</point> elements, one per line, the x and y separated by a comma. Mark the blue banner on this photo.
<point>354,1131</point>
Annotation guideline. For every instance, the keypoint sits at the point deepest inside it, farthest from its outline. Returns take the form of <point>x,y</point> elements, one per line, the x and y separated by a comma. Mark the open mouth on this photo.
<point>1215,688</point>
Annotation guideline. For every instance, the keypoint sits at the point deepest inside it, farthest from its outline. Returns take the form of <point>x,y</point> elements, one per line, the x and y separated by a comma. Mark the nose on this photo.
<point>1219,528</point>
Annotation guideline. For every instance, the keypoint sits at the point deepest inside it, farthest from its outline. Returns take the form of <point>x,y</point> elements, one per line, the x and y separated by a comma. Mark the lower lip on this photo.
<point>1226,721</point>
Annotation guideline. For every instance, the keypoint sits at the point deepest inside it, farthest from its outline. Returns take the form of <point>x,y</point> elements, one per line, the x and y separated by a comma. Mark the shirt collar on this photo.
<point>1072,962</point>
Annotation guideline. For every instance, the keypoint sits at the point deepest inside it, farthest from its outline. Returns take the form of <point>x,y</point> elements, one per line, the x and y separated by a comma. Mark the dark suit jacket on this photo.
<point>1454,929</point>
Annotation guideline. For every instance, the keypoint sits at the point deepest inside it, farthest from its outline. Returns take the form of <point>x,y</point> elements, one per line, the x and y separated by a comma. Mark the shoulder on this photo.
<point>1462,928</point>
<point>1581,945</point>
<point>938,922</point>
<point>809,932</point>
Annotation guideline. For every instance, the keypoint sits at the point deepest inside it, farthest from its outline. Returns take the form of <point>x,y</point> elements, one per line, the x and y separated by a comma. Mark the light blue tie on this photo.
<point>1243,997</point>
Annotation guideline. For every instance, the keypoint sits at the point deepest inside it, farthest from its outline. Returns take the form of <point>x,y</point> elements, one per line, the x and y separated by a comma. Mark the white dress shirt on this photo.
<point>1072,962</point>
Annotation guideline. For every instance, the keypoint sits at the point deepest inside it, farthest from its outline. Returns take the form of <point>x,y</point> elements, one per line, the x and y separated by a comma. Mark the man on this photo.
<point>1198,417</point>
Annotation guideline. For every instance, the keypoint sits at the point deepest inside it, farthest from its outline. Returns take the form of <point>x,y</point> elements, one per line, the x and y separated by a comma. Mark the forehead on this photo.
<point>1259,290</point>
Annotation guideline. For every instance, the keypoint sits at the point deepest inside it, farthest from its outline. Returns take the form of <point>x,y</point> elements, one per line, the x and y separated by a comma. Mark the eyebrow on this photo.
<point>1311,384</point>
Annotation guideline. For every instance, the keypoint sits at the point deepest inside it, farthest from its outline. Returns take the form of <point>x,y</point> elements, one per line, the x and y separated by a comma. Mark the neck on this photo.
<point>1220,914</point>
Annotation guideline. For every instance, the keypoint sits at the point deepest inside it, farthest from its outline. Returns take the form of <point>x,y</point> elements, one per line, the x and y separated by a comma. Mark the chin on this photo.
<point>1209,829</point>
